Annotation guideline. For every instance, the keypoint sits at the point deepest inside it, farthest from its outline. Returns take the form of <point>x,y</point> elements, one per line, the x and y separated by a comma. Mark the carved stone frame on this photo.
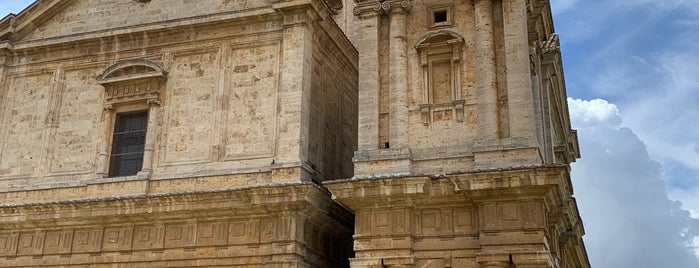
<point>129,86</point>
<point>435,46</point>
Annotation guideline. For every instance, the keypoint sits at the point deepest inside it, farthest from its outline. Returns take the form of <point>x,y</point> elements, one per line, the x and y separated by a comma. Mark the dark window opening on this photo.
<point>128,143</point>
<point>387,145</point>
<point>440,16</point>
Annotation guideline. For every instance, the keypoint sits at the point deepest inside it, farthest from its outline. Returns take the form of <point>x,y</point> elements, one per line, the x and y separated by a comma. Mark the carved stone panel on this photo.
<point>8,244</point>
<point>76,134</point>
<point>243,232</point>
<point>27,102</point>
<point>180,235</point>
<point>212,233</point>
<point>87,240</point>
<point>58,242</point>
<point>192,89</point>
<point>148,237</point>
<point>463,220</point>
<point>31,243</point>
<point>267,230</point>
<point>117,238</point>
<point>251,101</point>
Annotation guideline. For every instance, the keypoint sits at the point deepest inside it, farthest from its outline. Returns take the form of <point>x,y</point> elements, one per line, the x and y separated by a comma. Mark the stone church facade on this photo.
<point>285,133</point>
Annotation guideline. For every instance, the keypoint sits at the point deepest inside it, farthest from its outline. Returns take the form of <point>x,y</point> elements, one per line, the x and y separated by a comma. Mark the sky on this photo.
<point>632,75</point>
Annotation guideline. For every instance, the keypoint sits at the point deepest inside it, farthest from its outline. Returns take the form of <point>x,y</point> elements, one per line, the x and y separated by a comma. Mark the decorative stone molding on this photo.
<point>383,7</point>
<point>133,80</point>
<point>551,45</point>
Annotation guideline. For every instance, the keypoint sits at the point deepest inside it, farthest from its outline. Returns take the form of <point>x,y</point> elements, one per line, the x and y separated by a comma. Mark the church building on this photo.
<point>286,133</point>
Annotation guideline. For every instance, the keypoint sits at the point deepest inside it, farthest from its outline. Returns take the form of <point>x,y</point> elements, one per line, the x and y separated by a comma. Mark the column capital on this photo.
<point>381,8</point>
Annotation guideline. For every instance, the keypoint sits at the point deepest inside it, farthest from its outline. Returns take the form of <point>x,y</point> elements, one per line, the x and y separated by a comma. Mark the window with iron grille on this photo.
<point>128,143</point>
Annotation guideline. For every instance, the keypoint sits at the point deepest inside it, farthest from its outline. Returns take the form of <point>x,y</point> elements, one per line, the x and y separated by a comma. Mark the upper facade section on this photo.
<point>451,86</point>
<point>189,96</point>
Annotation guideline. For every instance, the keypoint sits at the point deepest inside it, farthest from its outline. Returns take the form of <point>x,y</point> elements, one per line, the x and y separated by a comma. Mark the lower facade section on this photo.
<point>523,217</point>
<point>280,226</point>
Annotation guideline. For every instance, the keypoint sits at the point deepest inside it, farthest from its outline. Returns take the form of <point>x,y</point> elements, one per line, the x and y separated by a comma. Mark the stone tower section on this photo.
<point>161,133</point>
<point>464,143</point>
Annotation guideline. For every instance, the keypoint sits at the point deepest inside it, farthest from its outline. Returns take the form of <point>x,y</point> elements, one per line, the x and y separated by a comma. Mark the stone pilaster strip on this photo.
<point>398,78</point>
<point>486,74</point>
<point>519,83</point>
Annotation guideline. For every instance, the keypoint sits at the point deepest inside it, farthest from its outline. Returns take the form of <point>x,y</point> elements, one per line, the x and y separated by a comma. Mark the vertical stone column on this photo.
<point>368,99</point>
<point>153,109</point>
<point>103,154</point>
<point>398,68</point>
<point>486,82</point>
<point>519,82</point>
<point>295,88</point>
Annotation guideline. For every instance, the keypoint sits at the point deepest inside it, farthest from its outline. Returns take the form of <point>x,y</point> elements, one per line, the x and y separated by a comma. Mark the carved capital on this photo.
<point>153,102</point>
<point>381,8</point>
<point>550,45</point>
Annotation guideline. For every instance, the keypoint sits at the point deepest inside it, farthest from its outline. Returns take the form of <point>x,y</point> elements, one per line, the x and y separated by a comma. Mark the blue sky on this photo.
<point>632,73</point>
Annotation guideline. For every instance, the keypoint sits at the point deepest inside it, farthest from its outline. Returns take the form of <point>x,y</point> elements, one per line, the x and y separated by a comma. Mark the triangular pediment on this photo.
<point>46,19</point>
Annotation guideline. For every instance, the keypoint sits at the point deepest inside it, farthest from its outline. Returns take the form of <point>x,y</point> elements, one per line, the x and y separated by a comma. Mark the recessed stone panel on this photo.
<point>117,238</point>
<point>212,233</point>
<point>463,220</point>
<point>180,235</point>
<point>87,240</point>
<point>24,126</point>
<point>8,244</point>
<point>30,243</point>
<point>192,88</point>
<point>251,101</point>
<point>148,237</point>
<point>243,232</point>
<point>79,110</point>
<point>58,242</point>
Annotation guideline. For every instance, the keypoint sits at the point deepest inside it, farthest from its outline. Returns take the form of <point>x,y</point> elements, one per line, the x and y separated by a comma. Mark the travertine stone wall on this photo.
<point>237,100</point>
<point>96,15</point>
<point>465,220</point>
<point>287,226</point>
<point>458,109</point>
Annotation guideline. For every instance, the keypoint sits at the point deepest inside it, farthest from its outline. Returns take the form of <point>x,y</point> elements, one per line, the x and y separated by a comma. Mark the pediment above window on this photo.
<point>439,38</point>
<point>133,80</point>
<point>131,70</point>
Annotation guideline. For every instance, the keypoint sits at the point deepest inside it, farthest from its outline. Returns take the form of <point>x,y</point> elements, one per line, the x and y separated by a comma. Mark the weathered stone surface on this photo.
<point>438,127</point>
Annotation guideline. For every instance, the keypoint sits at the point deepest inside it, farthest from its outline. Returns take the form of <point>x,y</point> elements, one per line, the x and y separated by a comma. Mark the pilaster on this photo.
<point>519,84</point>
<point>151,134</point>
<point>295,86</point>
<point>103,146</point>
<point>486,72</point>
<point>398,70</point>
<point>395,156</point>
<point>368,99</point>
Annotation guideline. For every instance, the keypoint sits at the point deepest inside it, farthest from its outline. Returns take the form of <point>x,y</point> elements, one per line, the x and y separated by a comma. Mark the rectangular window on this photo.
<point>128,143</point>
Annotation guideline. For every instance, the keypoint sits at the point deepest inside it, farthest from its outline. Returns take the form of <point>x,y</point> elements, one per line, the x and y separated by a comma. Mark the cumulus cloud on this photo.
<point>629,218</point>
<point>597,112</point>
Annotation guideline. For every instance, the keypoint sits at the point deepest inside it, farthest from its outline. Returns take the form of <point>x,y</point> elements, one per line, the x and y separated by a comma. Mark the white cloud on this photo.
<point>629,219</point>
<point>597,112</point>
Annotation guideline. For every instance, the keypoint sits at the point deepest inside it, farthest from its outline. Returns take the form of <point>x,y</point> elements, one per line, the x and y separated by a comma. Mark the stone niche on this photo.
<point>440,63</point>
